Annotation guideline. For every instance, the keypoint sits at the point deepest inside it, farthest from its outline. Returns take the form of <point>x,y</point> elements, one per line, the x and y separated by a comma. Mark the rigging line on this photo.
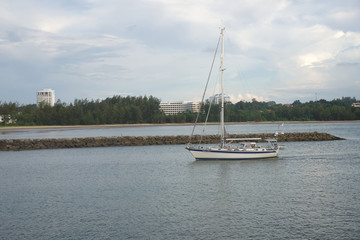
<point>242,76</point>
<point>209,109</point>
<point>203,96</point>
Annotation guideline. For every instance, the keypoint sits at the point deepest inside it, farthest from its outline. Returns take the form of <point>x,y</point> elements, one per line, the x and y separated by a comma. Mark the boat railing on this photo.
<point>243,139</point>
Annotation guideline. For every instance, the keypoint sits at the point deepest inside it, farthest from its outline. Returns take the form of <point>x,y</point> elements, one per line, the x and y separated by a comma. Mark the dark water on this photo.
<point>312,191</point>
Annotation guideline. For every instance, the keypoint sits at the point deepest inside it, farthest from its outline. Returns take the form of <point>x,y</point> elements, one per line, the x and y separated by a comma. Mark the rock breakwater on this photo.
<point>53,143</point>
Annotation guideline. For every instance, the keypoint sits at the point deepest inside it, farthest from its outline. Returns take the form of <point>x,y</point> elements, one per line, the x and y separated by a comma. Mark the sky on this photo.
<point>275,50</point>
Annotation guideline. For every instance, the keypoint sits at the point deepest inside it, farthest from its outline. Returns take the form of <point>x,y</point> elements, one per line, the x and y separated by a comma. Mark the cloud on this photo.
<point>248,97</point>
<point>275,50</point>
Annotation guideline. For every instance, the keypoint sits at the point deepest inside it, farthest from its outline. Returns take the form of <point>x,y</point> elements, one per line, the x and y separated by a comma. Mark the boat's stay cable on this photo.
<point>208,112</point>
<point>203,96</point>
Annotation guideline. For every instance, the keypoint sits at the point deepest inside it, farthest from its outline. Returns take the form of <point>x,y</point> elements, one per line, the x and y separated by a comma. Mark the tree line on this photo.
<point>322,110</point>
<point>143,109</point>
<point>114,110</point>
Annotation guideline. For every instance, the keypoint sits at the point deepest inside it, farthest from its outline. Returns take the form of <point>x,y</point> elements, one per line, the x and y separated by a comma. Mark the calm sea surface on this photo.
<point>312,191</point>
<point>13,133</point>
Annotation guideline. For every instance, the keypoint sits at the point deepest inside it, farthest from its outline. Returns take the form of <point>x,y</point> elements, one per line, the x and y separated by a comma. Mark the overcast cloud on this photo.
<point>275,50</point>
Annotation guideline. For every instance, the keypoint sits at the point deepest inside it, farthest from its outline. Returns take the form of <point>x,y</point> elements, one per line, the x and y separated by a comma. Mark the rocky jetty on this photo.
<point>53,143</point>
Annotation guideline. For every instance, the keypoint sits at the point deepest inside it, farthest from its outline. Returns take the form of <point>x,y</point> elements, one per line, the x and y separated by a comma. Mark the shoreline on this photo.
<point>164,124</point>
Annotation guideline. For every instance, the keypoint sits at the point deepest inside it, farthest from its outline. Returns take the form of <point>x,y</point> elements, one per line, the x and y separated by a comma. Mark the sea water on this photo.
<point>165,130</point>
<point>312,191</point>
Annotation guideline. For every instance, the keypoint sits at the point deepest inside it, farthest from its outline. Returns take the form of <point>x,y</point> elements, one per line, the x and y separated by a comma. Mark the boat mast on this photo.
<point>222,124</point>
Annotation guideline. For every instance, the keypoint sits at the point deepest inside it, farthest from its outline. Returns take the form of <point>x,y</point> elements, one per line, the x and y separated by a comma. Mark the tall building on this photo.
<point>172,108</point>
<point>45,96</point>
<point>216,99</point>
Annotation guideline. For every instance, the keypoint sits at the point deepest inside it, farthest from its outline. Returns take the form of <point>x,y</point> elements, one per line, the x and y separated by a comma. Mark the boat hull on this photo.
<point>223,154</point>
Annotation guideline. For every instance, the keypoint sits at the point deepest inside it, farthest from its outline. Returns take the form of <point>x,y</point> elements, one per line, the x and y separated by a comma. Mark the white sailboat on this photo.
<point>246,148</point>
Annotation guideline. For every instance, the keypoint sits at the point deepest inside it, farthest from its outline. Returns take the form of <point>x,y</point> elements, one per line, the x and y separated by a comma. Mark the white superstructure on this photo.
<point>172,108</point>
<point>45,96</point>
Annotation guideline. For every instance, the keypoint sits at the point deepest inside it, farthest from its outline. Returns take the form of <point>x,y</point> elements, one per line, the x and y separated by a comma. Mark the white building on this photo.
<point>45,96</point>
<point>7,119</point>
<point>216,99</point>
<point>172,108</point>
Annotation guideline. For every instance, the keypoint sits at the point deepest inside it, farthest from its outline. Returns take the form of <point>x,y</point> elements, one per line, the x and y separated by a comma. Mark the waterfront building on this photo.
<point>45,96</point>
<point>216,99</point>
<point>7,119</point>
<point>172,108</point>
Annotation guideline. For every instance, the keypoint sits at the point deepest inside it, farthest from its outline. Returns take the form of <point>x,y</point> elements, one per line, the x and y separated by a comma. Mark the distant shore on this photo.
<point>166,124</point>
